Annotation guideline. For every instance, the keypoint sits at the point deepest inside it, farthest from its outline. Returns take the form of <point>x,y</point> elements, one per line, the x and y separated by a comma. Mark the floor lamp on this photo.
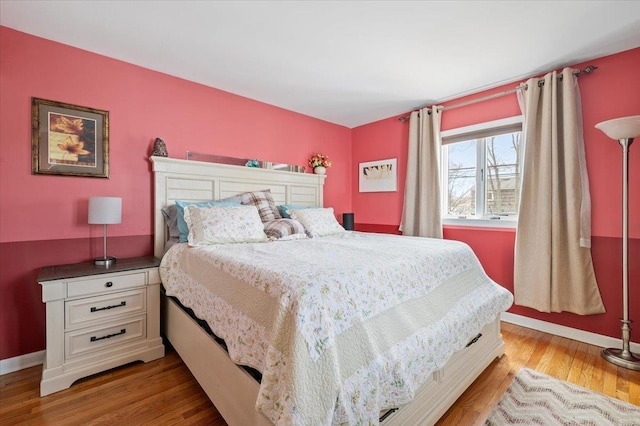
<point>624,130</point>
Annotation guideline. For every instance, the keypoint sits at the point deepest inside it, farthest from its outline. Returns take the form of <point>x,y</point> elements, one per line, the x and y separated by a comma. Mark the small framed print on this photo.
<point>69,140</point>
<point>379,176</point>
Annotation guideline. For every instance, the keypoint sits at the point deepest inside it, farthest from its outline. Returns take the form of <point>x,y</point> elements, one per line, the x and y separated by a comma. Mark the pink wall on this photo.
<point>609,92</point>
<point>43,219</point>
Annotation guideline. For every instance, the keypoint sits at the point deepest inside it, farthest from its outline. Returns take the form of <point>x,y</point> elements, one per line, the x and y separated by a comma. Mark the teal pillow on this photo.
<point>183,229</point>
<point>283,209</point>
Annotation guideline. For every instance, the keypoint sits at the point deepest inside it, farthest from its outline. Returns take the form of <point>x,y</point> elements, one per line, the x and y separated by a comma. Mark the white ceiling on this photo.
<point>346,62</point>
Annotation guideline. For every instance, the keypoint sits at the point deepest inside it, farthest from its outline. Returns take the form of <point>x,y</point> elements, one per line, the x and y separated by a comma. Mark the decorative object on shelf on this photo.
<point>378,176</point>
<point>319,163</point>
<point>252,163</point>
<point>348,221</point>
<point>105,211</point>
<point>623,130</point>
<point>159,148</point>
<point>69,140</point>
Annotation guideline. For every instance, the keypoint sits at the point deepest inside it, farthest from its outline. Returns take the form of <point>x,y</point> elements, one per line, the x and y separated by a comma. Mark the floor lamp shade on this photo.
<point>105,211</point>
<point>623,130</point>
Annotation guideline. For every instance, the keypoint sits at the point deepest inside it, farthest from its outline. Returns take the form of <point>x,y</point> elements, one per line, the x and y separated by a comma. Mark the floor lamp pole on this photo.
<point>624,357</point>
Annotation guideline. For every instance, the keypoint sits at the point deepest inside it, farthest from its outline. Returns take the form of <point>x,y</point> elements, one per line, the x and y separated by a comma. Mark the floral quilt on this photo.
<point>342,326</point>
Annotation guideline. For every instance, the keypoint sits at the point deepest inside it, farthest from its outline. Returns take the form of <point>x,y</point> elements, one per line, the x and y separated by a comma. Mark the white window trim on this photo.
<point>485,222</point>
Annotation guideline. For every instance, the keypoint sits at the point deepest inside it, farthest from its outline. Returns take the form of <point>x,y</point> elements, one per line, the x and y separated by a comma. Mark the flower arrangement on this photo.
<point>319,159</point>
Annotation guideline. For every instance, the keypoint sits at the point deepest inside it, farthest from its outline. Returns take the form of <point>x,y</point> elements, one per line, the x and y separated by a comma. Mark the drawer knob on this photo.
<point>109,284</point>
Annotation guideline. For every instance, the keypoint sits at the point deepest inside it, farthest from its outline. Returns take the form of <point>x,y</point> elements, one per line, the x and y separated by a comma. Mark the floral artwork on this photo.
<point>72,140</point>
<point>69,140</point>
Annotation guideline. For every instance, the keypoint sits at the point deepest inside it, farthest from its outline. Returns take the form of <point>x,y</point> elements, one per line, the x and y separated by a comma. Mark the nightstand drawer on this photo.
<point>98,338</point>
<point>106,283</point>
<point>84,311</point>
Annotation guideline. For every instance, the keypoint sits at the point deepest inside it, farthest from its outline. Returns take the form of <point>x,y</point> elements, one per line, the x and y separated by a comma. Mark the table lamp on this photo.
<point>105,211</point>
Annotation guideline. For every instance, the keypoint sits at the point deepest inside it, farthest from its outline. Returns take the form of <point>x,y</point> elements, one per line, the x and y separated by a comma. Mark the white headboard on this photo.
<point>188,180</point>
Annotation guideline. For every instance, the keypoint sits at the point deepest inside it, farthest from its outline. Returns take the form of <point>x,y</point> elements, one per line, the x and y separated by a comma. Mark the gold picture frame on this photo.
<point>69,140</point>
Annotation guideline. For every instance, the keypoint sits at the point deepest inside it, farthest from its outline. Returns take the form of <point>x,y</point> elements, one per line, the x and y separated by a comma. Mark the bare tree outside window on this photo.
<point>503,174</point>
<point>494,170</point>
<point>462,179</point>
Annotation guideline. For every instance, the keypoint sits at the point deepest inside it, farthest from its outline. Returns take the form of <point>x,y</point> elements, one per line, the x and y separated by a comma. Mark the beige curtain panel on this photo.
<point>421,213</point>
<point>553,265</point>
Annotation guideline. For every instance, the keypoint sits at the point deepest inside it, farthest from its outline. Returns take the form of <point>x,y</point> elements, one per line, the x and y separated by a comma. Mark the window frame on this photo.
<point>476,131</point>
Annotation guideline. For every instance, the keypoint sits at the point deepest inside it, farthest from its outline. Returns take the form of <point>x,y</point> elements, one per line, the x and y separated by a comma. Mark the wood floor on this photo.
<point>163,392</point>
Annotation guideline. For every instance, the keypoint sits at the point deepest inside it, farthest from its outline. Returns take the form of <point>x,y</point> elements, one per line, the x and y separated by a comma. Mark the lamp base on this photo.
<point>617,357</point>
<point>105,262</point>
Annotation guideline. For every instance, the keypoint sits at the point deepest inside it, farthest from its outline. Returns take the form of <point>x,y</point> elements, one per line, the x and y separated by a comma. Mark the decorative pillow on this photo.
<point>284,229</point>
<point>317,222</point>
<point>223,225</point>
<point>183,229</point>
<point>236,199</point>
<point>285,214</point>
<point>170,214</point>
<point>263,202</point>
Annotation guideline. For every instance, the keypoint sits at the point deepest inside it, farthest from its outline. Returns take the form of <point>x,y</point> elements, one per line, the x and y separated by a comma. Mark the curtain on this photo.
<point>421,213</point>
<point>553,266</point>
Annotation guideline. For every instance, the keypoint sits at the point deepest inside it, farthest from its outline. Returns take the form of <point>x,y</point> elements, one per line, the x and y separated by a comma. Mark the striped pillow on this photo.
<point>263,202</point>
<point>284,229</point>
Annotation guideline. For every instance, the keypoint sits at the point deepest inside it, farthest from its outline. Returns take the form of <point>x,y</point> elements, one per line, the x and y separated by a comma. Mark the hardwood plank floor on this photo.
<point>164,392</point>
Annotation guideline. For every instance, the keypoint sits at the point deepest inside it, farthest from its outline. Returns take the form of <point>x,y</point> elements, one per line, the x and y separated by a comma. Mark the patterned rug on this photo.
<point>534,398</point>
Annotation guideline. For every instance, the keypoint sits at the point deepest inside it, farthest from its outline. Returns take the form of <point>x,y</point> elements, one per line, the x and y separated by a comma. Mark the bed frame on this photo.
<point>231,388</point>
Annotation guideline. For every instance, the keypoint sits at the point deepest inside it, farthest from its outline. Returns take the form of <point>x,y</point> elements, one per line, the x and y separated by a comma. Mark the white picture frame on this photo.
<point>378,176</point>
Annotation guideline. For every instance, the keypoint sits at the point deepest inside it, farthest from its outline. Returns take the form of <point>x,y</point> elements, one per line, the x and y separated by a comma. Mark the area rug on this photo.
<point>534,398</point>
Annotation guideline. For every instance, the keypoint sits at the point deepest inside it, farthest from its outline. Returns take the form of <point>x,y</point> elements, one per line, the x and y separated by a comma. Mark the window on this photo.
<point>481,172</point>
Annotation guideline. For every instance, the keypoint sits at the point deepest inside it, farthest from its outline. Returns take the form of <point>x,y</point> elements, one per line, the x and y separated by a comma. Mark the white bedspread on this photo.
<point>341,326</point>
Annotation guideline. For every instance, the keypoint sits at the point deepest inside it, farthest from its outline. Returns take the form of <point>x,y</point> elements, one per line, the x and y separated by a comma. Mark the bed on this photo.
<point>327,351</point>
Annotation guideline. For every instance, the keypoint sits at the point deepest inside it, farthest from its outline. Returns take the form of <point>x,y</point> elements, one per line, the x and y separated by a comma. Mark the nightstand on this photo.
<point>99,318</point>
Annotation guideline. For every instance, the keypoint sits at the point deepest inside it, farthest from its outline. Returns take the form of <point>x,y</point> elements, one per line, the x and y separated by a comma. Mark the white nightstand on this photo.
<point>99,318</point>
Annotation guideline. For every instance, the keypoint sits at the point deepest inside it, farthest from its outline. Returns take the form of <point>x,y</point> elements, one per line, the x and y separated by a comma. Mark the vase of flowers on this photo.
<point>319,163</point>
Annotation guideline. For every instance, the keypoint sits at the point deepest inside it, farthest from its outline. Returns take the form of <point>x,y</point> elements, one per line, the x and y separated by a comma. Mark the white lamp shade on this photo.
<point>105,210</point>
<point>621,128</point>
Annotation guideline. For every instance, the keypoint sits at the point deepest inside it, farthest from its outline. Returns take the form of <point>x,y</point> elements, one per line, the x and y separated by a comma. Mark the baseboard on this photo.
<point>10,365</point>
<point>568,332</point>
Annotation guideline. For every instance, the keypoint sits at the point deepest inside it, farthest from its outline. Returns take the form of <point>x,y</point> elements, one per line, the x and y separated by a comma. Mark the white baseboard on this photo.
<point>568,332</point>
<point>16,363</point>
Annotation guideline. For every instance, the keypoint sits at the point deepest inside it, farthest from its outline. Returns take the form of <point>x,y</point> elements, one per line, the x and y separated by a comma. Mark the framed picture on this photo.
<point>69,140</point>
<point>379,176</point>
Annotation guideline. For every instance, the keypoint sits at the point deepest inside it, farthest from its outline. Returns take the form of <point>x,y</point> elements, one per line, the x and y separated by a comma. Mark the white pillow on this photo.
<point>317,222</point>
<point>223,225</point>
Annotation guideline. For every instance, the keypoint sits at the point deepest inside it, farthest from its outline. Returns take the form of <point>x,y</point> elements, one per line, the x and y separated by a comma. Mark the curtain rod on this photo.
<point>577,73</point>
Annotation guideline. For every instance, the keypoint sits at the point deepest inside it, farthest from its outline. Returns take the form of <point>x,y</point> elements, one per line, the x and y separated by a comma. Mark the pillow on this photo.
<point>317,222</point>
<point>263,202</point>
<point>284,229</point>
<point>183,229</point>
<point>285,214</point>
<point>223,225</point>
<point>236,199</point>
<point>170,214</point>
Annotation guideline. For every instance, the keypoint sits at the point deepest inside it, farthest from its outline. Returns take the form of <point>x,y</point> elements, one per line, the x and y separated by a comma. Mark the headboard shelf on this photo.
<point>188,180</point>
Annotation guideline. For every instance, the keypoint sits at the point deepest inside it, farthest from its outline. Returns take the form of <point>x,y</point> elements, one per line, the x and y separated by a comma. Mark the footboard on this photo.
<point>446,385</point>
<point>234,392</point>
